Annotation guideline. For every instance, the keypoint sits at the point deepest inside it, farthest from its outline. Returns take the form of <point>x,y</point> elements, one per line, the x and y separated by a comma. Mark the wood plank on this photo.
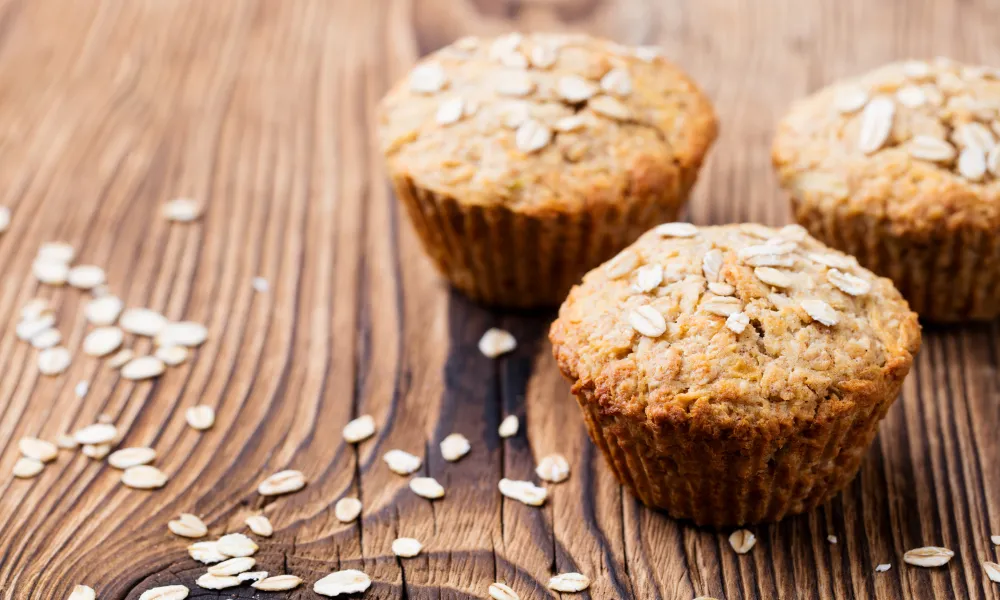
<point>264,110</point>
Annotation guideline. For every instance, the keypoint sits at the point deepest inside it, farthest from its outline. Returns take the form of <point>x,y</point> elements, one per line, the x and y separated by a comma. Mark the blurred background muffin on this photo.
<point>900,167</point>
<point>525,160</point>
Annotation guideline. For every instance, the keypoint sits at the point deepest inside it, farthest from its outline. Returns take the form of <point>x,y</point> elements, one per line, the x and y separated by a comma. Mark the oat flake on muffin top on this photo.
<point>543,121</point>
<point>732,319</point>
<point>913,141</point>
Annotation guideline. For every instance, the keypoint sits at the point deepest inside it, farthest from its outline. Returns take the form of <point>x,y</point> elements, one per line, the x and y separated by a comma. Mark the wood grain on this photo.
<point>263,110</point>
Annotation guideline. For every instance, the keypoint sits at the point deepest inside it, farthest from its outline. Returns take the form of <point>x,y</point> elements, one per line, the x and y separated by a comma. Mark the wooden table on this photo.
<point>262,109</point>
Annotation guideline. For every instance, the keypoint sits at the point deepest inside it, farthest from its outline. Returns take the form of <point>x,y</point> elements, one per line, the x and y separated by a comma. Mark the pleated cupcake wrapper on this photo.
<point>499,256</point>
<point>717,482</point>
<point>945,276</point>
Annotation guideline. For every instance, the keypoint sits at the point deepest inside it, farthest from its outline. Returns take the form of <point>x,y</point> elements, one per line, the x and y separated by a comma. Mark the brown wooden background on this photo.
<point>262,109</point>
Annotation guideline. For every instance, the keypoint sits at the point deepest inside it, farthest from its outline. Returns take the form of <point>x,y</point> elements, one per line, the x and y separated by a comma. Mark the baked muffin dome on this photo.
<point>734,374</point>
<point>525,160</point>
<point>901,168</point>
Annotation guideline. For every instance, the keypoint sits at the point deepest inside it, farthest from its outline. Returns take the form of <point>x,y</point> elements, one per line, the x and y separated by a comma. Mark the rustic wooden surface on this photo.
<point>262,109</point>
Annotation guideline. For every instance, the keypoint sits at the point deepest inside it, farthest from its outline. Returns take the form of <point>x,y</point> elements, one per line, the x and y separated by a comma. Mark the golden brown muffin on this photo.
<point>900,167</point>
<point>734,374</point>
<point>524,161</point>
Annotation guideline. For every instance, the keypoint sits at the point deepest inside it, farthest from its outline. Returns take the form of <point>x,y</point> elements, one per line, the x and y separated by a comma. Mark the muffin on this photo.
<point>734,374</point>
<point>526,160</point>
<point>900,167</point>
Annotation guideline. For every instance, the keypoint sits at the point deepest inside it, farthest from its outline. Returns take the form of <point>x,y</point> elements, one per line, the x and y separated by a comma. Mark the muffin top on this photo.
<point>734,321</point>
<point>913,142</point>
<point>545,122</point>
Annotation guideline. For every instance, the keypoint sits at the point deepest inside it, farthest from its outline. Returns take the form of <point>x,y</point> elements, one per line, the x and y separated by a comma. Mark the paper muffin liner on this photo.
<point>502,256</point>
<point>949,274</point>
<point>692,469</point>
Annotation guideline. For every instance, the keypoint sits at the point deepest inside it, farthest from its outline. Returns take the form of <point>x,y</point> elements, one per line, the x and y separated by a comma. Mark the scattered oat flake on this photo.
<point>575,89</point>
<point>850,99</point>
<point>406,547</point>
<point>27,329</point>
<point>98,433</point>
<point>926,147</point>
<point>26,468</point>
<point>832,539</point>
<point>143,367</point>
<point>349,581</point>
<point>46,339</point>
<point>648,321</point>
<point>277,583</point>
<point>680,230</point>
<point>820,311</point>
<point>167,592</point>
<point>648,278</point>
<point>57,252</point>
<point>554,468</point>
<point>81,388</point>
<point>252,576</point>
<point>772,276</point>
<point>53,361</point>
<point>496,342</point>
<point>622,264</point>
<point>144,477</point>
<point>427,78</point>
<point>103,310</point>
<point>66,441</point>
<point>236,545</point>
<point>282,482</point>
<point>131,457</point>
<point>523,491</point>
<point>847,283</point>
<point>85,277</point>
<point>737,322</point>
<point>260,525</point>
<point>427,487</point>
<point>347,509</point>
<point>4,218</point>
<point>206,552</point>
<point>722,306</point>
<point>233,566</point>
<point>83,592</point>
<point>96,451</point>
<point>742,541</point>
<point>711,264</point>
<point>172,355</point>
<point>121,358</point>
<point>50,272</point>
<point>32,447</point>
<point>182,333</point>
<point>569,582</point>
<point>450,111</point>
<point>359,429</point>
<point>992,570</point>
<point>876,124</point>
<point>928,556</point>
<point>501,591</point>
<point>532,136</point>
<point>882,567</point>
<point>33,309</point>
<point>260,284</point>
<point>189,526</point>
<point>972,164</point>
<point>143,321</point>
<point>216,582</point>
<point>200,417</point>
<point>182,210</point>
<point>995,539</point>
<point>103,341</point>
<point>509,426</point>
<point>454,447</point>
